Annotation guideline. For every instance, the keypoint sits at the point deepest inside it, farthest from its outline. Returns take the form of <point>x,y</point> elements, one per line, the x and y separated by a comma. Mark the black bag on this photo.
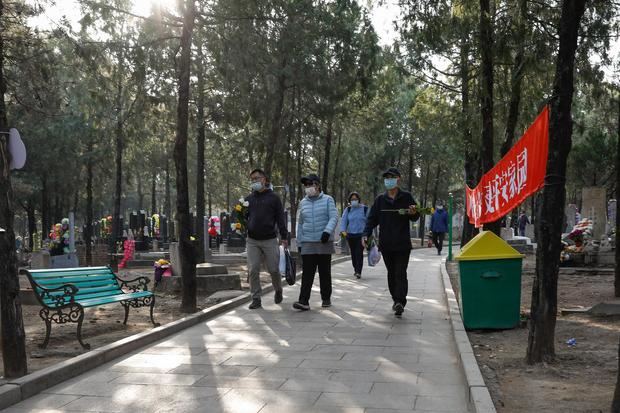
<point>291,267</point>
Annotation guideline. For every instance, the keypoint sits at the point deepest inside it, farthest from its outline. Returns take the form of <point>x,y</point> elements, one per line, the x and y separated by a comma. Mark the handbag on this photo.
<point>291,267</point>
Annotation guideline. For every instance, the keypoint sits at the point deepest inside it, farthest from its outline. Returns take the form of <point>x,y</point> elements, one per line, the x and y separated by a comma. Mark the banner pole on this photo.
<point>450,226</point>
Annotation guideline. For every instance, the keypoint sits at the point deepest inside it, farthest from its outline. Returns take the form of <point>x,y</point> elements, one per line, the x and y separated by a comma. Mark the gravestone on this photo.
<point>529,231</point>
<point>571,217</point>
<point>40,260</point>
<point>595,207</point>
<point>507,233</point>
<point>175,259</point>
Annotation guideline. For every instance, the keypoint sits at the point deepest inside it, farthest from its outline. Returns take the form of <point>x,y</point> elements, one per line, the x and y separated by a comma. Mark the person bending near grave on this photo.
<point>264,214</point>
<point>393,211</point>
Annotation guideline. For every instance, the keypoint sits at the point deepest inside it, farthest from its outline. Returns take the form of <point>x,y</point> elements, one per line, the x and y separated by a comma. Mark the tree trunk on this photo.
<point>471,163</point>
<point>88,230</point>
<point>517,77</point>
<point>486,95</point>
<point>200,155</point>
<point>168,196</point>
<point>423,203</point>
<point>140,193</point>
<point>154,192</point>
<point>274,136</point>
<point>617,249</point>
<point>541,338</point>
<point>13,335</point>
<point>118,188</point>
<point>32,224</point>
<point>410,167</point>
<point>186,249</point>
<point>45,211</point>
<point>336,165</point>
<point>328,148</point>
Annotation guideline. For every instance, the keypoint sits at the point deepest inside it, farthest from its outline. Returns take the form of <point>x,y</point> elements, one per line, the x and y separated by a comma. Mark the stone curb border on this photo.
<point>16,390</point>
<point>479,395</point>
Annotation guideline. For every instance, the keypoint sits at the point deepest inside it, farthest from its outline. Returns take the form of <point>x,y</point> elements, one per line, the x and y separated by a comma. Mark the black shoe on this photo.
<point>300,306</point>
<point>398,309</point>
<point>394,306</point>
<point>255,304</point>
<point>326,303</point>
<point>277,298</point>
<point>358,275</point>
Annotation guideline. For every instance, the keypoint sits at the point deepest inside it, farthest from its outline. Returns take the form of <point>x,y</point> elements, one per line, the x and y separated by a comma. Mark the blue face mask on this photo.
<point>355,203</point>
<point>390,183</point>
<point>256,186</point>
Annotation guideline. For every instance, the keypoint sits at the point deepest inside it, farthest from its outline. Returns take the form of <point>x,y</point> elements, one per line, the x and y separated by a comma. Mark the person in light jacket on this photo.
<point>352,227</point>
<point>316,222</point>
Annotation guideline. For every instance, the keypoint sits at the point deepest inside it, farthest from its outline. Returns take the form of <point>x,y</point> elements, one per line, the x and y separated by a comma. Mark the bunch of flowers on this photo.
<point>576,236</point>
<point>241,212</point>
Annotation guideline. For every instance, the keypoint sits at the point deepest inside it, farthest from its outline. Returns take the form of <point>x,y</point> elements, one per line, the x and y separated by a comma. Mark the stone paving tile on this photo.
<point>240,382</point>
<point>341,364</point>
<point>275,408</point>
<point>291,372</point>
<point>45,401</point>
<point>153,378</point>
<point>366,400</point>
<point>209,370</point>
<point>447,404</point>
<point>322,385</point>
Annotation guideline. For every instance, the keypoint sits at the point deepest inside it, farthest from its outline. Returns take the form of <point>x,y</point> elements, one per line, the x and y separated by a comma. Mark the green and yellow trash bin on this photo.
<point>490,283</point>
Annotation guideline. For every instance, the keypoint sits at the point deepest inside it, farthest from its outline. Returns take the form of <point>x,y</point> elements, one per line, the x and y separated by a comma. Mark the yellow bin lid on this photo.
<point>487,246</point>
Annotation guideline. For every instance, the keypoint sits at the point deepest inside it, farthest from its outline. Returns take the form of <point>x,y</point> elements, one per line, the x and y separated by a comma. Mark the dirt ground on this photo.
<point>583,377</point>
<point>104,325</point>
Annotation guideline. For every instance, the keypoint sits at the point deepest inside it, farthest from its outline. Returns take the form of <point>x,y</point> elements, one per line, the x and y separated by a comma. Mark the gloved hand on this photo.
<point>324,237</point>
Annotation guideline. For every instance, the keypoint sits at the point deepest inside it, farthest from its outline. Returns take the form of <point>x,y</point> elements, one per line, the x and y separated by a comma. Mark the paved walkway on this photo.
<point>355,357</point>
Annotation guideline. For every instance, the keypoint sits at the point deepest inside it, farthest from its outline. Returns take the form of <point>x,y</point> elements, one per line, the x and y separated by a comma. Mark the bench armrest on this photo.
<point>135,285</point>
<point>68,294</point>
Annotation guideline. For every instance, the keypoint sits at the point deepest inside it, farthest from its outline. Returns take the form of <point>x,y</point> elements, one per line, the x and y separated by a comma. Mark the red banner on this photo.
<point>520,173</point>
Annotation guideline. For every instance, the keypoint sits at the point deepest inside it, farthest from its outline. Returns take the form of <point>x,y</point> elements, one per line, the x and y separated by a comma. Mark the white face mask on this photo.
<point>355,203</point>
<point>310,191</point>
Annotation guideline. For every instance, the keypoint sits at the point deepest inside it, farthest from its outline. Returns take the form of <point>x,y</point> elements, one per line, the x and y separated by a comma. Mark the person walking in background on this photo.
<point>523,221</point>
<point>439,226</point>
<point>393,212</point>
<point>316,223</point>
<point>352,227</point>
<point>265,212</point>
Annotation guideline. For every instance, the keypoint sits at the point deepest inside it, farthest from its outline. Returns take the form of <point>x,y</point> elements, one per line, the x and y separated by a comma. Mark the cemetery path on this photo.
<point>353,357</point>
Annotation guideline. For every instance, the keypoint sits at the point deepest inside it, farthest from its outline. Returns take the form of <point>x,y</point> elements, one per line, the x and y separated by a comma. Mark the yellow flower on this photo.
<point>238,208</point>
<point>238,225</point>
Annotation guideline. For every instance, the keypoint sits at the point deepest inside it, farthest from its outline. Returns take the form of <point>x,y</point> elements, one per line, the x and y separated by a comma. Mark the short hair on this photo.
<point>260,171</point>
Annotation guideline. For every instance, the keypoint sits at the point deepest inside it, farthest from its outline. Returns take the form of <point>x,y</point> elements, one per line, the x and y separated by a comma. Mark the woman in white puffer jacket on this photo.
<point>316,221</point>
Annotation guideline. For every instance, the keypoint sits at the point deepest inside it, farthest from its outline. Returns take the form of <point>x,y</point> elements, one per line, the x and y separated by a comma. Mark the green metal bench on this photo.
<point>64,293</point>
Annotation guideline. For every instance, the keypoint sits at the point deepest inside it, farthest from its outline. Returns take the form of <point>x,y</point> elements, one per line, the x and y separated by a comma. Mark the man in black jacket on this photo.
<point>393,211</point>
<point>265,211</point>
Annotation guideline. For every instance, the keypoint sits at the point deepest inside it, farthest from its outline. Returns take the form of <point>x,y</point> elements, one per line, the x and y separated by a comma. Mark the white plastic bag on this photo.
<point>282,263</point>
<point>374,256</point>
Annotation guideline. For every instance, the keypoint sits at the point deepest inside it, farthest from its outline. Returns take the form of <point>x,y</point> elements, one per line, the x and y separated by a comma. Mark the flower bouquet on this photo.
<point>241,212</point>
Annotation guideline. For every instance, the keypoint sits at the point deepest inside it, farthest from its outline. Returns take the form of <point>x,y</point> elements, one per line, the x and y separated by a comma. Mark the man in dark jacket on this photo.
<point>265,211</point>
<point>439,226</point>
<point>393,211</point>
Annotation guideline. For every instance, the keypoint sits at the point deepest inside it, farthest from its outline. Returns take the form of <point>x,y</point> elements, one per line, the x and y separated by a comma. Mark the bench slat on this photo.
<point>110,289</point>
<point>75,280</point>
<point>69,274</point>
<point>114,298</point>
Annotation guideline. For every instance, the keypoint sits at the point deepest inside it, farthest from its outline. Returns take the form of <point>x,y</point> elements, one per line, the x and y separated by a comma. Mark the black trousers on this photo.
<point>310,263</point>
<point>397,263</point>
<point>438,240</point>
<point>357,253</point>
